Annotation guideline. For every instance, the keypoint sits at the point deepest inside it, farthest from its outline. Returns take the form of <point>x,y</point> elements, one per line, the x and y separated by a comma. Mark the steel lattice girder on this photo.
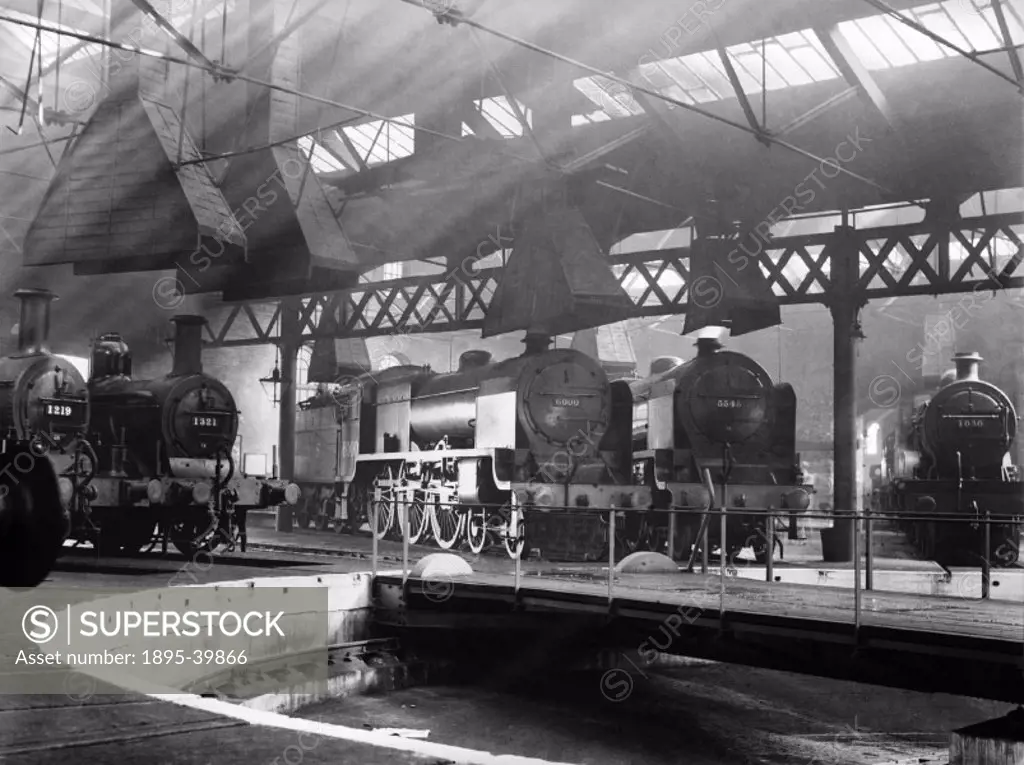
<point>895,261</point>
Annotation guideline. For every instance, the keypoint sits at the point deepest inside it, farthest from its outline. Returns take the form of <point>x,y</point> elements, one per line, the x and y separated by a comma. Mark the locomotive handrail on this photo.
<point>231,469</point>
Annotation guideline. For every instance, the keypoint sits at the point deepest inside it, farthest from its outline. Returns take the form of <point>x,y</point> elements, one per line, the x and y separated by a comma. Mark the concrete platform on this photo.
<point>101,717</point>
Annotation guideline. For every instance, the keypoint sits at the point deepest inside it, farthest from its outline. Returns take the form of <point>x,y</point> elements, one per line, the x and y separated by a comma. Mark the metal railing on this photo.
<point>862,559</point>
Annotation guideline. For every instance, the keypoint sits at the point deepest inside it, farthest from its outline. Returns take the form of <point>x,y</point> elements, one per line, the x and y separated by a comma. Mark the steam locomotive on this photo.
<point>954,459</point>
<point>43,416</point>
<point>163,454</point>
<point>469,452</point>
<point>717,415</point>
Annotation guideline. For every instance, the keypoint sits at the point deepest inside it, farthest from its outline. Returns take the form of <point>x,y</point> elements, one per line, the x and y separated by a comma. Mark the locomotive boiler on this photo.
<point>470,452</point>
<point>164,452</point>
<point>957,462</point>
<point>43,418</point>
<point>718,414</point>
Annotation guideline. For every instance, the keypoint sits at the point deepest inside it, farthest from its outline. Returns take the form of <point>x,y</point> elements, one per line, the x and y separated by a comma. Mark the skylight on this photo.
<point>799,58</point>
<point>50,41</point>
<point>503,117</point>
<point>321,159</point>
<point>378,142</point>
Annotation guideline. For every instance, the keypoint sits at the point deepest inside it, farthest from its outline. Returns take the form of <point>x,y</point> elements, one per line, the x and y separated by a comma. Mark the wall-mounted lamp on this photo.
<point>274,381</point>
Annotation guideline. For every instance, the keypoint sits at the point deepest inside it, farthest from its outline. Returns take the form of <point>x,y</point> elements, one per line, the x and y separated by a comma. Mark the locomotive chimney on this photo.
<point>967,366</point>
<point>708,346</point>
<point>473,360</point>
<point>34,324</point>
<point>188,345</point>
<point>536,343</point>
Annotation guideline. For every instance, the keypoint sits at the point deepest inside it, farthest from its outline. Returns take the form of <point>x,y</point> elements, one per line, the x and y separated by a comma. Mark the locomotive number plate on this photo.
<point>59,410</point>
<point>205,422</point>
<point>729,403</point>
<point>567,402</point>
<point>970,423</point>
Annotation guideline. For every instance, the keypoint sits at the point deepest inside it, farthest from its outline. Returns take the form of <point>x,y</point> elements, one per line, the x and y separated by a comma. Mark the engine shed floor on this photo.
<point>47,730</point>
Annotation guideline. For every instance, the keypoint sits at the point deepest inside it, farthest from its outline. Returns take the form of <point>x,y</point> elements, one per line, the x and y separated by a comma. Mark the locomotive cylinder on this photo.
<point>34,322</point>
<point>188,345</point>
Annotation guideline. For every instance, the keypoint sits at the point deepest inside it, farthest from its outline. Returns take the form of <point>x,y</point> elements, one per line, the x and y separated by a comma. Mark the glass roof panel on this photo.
<point>498,112</point>
<point>709,70</point>
<point>923,47</point>
<point>863,47</point>
<point>881,33</point>
<point>51,42</point>
<point>816,65</point>
<point>680,73</point>
<point>980,29</point>
<point>790,67</point>
<point>748,69</point>
<point>319,158</point>
<point>393,142</point>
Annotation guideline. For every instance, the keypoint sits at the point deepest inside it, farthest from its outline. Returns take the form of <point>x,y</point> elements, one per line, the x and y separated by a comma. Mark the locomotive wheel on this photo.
<point>383,516</point>
<point>515,528</point>
<point>31,524</point>
<point>476,529</point>
<point>408,508</point>
<point>1007,554</point>
<point>447,520</point>
<point>419,518</point>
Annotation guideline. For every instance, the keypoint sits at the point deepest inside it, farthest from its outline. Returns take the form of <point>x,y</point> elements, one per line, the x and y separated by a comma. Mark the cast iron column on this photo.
<point>844,306</point>
<point>290,334</point>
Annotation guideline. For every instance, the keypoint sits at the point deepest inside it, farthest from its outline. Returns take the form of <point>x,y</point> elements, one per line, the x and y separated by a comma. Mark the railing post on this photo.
<point>856,572</point>
<point>672,535</point>
<point>986,568</point>
<point>611,554</point>
<point>704,541</point>
<point>514,509</point>
<point>722,559</point>
<point>405,535</point>
<point>869,554</point>
<point>373,535</point>
<point>770,527</point>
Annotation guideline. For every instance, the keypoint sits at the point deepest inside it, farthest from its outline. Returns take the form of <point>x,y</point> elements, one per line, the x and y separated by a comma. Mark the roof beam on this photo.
<point>73,17</point>
<point>339,144</point>
<point>737,87</point>
<point>969,55</point>
<point>854,71</point>
<point>183,42</point>
<point>1004,29</point>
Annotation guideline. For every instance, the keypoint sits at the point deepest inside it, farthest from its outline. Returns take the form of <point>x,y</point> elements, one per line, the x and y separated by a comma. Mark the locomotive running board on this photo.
<point>182,467</point>
<point>428,455</point>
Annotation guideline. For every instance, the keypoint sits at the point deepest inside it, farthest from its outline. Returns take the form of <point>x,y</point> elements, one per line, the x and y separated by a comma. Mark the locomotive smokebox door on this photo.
<point>729,402</point>
<point>567,402</point>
